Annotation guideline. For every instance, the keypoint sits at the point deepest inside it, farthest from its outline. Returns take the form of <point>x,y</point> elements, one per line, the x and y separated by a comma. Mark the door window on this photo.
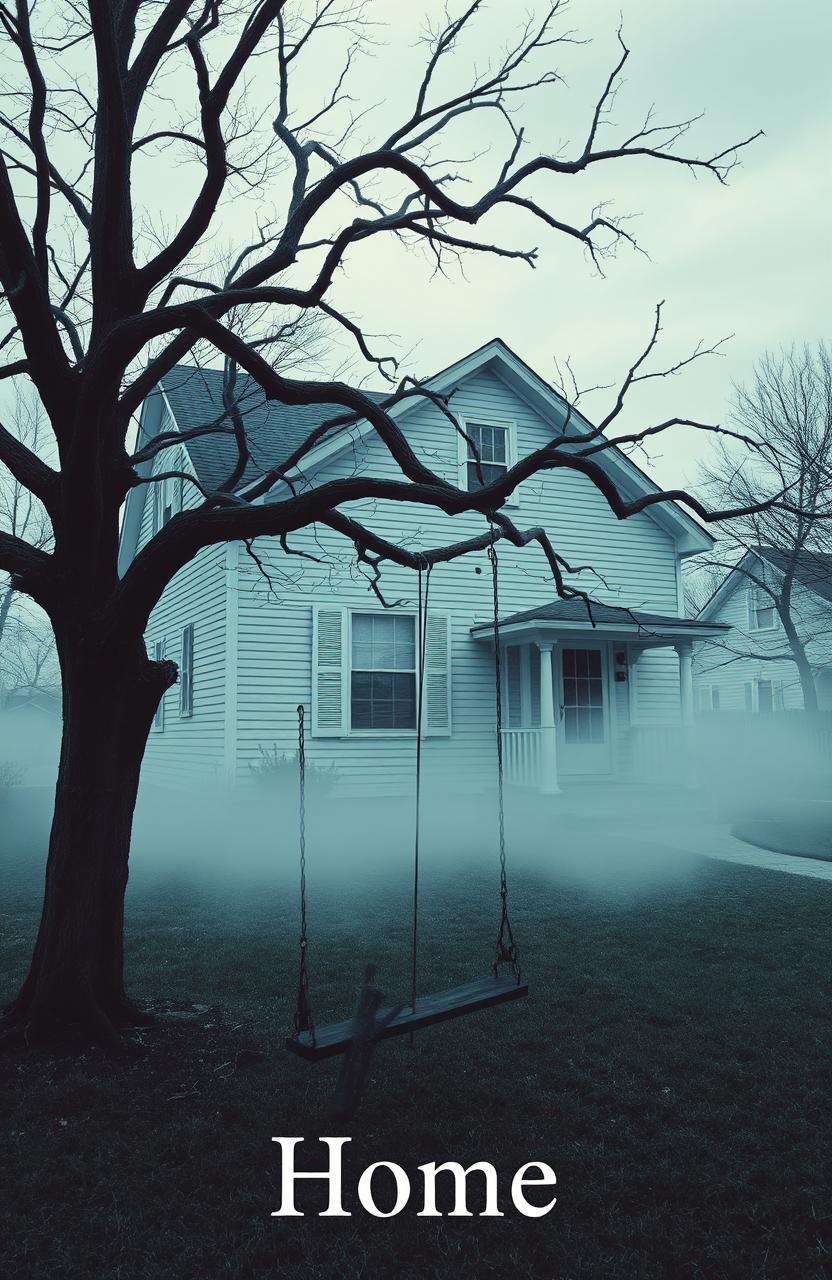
<point>583,696</point>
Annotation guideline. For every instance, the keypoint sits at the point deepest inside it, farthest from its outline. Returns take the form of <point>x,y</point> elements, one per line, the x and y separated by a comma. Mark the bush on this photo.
<point>11,775</point>
<point>278,770</point>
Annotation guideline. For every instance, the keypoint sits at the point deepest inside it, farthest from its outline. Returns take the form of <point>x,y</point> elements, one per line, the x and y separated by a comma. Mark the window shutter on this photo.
<point>748,694</point>
<point>159,654</point>
<point>156,507</point>
<point>437,719</point>
<point>749,601</point>
<point>330,667</point>
<point>186,672</point>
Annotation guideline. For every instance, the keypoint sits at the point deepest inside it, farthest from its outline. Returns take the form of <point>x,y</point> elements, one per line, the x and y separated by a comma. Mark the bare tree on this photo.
<point>109,100</point>
<point>22,515</point>
<point>780,550</point>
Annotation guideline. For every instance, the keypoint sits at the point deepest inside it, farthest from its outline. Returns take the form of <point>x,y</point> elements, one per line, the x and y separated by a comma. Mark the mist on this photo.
<point>635,836</point>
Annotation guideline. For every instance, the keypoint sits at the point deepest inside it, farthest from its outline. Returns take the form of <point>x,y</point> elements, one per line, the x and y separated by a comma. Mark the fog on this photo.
<point>622,838</point>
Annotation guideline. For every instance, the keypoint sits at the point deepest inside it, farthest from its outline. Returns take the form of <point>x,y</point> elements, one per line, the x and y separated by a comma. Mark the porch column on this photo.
<point>685,652</point>
<point>548,723</point>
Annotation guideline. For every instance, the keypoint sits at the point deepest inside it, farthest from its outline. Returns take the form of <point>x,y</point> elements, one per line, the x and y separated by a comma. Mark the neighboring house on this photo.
<point>30,732</point>
<point>749,668</point>
<point>613,701</point>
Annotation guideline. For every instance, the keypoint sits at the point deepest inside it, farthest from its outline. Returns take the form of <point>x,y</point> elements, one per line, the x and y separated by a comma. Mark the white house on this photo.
<point>609,698</point>
<point>748,667</point>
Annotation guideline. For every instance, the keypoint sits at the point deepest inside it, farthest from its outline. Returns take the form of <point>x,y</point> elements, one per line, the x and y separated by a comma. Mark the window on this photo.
<point>186,672</point>
<point>159,717</point>
<point>583,696</point>
<point>168,499</point>
<point>761,614</point>
<point>383,671</point>
<point>765,696</point>
<point>709,697</point>
<point>491,443</point>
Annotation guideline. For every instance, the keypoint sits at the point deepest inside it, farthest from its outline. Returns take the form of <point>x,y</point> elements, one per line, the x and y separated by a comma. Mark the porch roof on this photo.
<point>569,617</point>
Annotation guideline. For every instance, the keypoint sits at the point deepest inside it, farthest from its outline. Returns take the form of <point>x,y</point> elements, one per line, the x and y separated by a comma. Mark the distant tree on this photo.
<point>787,411</point>
<point>109,105</point>
<point>22,515</point>
<point>27,646</point>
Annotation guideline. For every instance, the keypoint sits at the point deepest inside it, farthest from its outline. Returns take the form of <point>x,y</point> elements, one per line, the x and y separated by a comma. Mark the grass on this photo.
<point>800,835</point>
<point>674,1065</point>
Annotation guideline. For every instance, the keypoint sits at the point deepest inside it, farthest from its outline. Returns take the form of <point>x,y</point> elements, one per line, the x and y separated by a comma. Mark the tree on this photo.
<point>115,98</point>
<point>27,646</point>
<point>787,412</point>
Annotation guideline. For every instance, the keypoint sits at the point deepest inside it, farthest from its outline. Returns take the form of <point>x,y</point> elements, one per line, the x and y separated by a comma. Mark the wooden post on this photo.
<point>365,1031</point>
<point>548,723</point>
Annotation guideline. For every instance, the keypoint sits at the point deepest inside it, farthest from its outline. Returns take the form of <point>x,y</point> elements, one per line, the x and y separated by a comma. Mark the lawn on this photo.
<point>673,1064</point>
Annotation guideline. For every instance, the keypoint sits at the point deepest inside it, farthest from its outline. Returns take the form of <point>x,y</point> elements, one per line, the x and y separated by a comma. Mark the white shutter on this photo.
<point>156,507</point>
<point>437,718</point>
<point>330,669</point>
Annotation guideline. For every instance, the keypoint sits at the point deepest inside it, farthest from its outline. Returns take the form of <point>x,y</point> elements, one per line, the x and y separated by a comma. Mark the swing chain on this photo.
<point>507,951</point>
<point>303,1006</point>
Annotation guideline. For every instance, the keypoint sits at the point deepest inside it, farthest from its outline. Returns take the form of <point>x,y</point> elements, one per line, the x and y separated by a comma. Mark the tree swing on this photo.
<point>314,1043</point>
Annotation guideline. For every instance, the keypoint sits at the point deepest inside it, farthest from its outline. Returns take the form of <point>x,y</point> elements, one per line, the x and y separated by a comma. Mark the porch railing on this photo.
<point>521,757</point>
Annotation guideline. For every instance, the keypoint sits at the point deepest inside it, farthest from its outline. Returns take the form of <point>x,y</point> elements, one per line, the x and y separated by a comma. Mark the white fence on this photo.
<point>521,757</point>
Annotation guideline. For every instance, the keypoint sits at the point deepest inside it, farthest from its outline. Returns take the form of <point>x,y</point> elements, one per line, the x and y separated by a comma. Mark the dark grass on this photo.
<point>799,837</point>
<point>673,1064</point>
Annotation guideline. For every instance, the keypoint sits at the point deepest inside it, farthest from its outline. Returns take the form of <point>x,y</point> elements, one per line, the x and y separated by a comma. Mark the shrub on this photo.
<point>278,770</point>
<point>11,775</point>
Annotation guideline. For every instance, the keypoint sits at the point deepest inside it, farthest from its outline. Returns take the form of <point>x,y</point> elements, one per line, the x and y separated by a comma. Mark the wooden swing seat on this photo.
<point>337,1037</point>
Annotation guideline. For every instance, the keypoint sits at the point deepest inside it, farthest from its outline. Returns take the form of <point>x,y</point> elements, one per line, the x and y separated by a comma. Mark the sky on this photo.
<point>750,260</point>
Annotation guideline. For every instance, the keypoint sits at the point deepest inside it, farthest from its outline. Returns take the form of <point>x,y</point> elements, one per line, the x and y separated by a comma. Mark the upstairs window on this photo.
<point>168,498</point>
<point>761,612</point>
<point>383,672</point>
<point>491,444</point>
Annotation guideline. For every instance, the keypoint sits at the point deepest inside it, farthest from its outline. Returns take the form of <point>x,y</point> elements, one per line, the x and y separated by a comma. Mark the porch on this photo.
<point>570,691</point>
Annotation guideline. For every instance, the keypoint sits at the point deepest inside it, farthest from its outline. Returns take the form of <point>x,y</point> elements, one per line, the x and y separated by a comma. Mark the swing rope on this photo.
<point>506,952</point>
<point>337,1038</point>
<point>303,1004</point>
<point>422,631</point>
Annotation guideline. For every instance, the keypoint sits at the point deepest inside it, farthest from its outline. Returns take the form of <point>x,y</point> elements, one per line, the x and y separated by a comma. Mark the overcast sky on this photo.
<point>750,259</point>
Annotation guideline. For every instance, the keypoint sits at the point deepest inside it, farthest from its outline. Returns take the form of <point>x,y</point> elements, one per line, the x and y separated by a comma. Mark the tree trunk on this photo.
<point>801,661</point>
<point>76,978</point>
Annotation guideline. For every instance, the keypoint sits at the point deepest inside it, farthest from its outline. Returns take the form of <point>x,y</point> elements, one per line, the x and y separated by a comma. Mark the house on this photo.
<point>608,697</point>
<point>30,732</point>
<point>749,668</point>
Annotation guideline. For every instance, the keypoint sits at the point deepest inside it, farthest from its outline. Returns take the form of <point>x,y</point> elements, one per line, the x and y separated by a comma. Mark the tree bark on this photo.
<point>801,661</point>
<point>76,979</point>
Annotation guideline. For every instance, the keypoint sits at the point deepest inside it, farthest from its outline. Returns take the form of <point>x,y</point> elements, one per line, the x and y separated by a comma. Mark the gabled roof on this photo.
<point>195,399</point>
<point>813,570</point>
<point>273,430</point>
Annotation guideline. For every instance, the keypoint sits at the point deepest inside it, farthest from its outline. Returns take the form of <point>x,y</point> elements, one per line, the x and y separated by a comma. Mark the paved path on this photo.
<point>713,840</point>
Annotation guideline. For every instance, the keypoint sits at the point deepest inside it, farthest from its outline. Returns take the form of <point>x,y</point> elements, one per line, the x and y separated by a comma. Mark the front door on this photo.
<point>584,720</point>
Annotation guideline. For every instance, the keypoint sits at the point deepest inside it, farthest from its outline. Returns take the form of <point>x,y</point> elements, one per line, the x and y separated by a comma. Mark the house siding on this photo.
<point>189,750</point>
<point>635,561</point>
<point>714,666</point>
